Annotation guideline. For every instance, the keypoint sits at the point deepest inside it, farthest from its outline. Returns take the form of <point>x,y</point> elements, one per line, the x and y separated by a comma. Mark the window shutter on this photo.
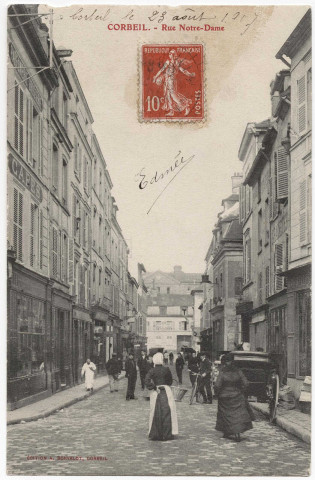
<point>74,216</point>
<point>54,252</point>
<point>29,127</point>
<point>301,92</point>
<point>32,239</point>
<point>282,174</point>
<point>309,99</point>
<point>249,263</point>
<point>303,217</point>
<point>19,119</point>
<point>75,154</point>
<point>40,240</point>
<point>18,224</point>
<point>70,268</point>
<point>279,280</point>
<point>40,147</point>
<point>267,292</point>
<point>270,199</point>
<point>260,288</point>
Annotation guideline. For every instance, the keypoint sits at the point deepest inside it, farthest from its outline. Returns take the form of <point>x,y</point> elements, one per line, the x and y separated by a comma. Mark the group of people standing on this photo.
<point>234,414</point>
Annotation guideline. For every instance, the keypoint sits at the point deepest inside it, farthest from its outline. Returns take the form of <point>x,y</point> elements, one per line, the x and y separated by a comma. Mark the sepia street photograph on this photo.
<point>159,232</point>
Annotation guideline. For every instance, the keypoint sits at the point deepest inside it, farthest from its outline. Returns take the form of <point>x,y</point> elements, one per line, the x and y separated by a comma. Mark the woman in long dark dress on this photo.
<point>233,417</point>
<point>163,419</point>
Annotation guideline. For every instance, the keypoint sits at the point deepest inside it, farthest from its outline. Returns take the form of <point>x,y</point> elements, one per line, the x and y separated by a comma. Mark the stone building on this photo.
<point>226,255</point>
<point>67,256</point>
<point>169,322</point>
<point>177,282</point>
<point>297,48</point>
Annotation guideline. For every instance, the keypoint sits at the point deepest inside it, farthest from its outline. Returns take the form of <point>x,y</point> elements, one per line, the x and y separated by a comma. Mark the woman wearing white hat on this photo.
<point>163,419</point>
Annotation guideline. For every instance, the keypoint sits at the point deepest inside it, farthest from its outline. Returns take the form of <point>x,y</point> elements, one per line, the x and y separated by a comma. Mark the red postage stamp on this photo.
<point>172,82</point>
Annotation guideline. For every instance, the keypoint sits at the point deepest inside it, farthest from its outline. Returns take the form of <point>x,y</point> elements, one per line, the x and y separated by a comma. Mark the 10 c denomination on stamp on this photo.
<point>172,83</point>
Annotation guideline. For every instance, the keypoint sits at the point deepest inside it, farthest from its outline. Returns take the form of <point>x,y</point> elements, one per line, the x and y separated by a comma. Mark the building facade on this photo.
<point>67,256</point>
<point>298,270</point>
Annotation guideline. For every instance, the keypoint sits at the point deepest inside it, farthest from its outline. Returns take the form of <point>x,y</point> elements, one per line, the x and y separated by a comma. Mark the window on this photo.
<point>76,160</point>
<point>99,276</point>
<point>163,310</point>
<point>158,325</point>
<point>267,284</point>
<point>260,288</point>
<point>238,285</point>
<point>64,182</point>
<point>33,234</point>
<point>54,253</point>
<point>19,119</point>
<point>55,167</point>
<point>18,224</point>
<point>279,264</point>
<point>259,218</point>
<point>247,258</point>
<point>301,97</point>
<point>64,113</point>
<point>259,189</point>
<point>282,174</point>
<point>168,290</point>
<point>303,212</point>
<point>100,232</point>
<point>159,289</point>
<point>27,353</point>
<point>64,257</point>
<point>267,222</point>
<point>76,278</point>
<point>309,99</point>
<point>182,325</point>
<point>85,173</point>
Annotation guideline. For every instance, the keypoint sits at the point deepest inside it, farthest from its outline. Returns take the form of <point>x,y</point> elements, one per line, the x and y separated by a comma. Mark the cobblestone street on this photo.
<point>107,426</point>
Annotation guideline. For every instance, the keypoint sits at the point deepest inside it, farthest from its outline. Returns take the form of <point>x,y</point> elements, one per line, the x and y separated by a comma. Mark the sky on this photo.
<point>239,69</point>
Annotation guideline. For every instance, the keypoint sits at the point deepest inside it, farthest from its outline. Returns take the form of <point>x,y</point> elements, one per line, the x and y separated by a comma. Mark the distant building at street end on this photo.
<point>222,329</point>
<point>177,282</point>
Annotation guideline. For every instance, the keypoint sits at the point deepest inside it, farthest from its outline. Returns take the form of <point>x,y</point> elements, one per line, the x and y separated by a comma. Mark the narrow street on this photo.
<point>107,426</point>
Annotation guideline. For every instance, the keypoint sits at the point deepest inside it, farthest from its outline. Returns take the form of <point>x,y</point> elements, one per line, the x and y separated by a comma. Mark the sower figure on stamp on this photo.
<point>143,366</point>
<point>131,374</point>
<point>173,100</point>
<point>88,370</point>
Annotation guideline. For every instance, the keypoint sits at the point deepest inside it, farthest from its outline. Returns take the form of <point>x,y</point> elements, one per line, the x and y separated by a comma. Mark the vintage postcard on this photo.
<point>159,217</point>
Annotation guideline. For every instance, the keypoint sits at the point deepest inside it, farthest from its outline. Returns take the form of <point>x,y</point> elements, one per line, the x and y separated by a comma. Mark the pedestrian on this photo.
<point>233,417</point>
<point>179,365</point>
<point>131,374</point>
<point>113,369</point>
<point>193,368</point>
<point>88,370</point>
<point>163,418</point>
<point>171,358</point>
<point>205,378</point>
<point>149,366</point>
<point>166,357</point>
<point>142,365</point>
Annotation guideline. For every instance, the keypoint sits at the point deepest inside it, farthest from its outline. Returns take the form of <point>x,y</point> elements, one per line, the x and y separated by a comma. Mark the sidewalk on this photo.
<point>60,400</point>
<point>293,421</point>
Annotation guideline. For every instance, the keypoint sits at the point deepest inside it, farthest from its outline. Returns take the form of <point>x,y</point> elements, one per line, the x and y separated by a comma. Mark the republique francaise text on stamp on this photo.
<point>172,82</point>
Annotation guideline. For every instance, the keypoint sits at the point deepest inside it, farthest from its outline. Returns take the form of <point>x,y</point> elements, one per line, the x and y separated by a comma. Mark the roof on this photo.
<point>180,277</point>
<point>299,35</point>
<point>234,231</point>
<point>251,129</point>
<point>277,83</point>
<point>232,198</point>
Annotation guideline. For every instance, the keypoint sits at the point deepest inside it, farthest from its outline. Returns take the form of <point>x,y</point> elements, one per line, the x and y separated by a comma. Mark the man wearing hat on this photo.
<point>113,370</point>
<point>205,378</point>
<point>131,374</point>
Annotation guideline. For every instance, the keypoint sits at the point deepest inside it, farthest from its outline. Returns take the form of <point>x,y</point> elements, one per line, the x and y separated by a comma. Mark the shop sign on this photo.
<point>26,178</point>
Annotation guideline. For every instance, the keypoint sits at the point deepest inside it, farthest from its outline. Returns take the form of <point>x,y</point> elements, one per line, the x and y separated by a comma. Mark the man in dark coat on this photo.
<point>143,367</point>
<point>205,378</point>
<point>113,370</point>
<point>193,368</point>
<point>131,374</point>
<point>179,365</point>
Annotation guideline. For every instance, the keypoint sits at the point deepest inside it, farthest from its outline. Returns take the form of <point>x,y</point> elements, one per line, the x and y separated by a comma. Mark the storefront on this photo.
<point>28,337</point>
<point>61,339</point>
<point>299,332</point>
<point>82,335</point>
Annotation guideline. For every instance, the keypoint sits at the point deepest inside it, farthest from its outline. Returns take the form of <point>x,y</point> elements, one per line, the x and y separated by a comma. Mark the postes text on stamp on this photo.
<point>172,82</point>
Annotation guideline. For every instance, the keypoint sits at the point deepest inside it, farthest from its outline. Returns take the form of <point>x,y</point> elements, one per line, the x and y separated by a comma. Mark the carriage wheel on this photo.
<point>274,397</point>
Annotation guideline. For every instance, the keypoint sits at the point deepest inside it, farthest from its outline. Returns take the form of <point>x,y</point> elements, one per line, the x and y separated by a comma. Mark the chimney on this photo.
<point>237,179</point>
<point>177,271</point>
